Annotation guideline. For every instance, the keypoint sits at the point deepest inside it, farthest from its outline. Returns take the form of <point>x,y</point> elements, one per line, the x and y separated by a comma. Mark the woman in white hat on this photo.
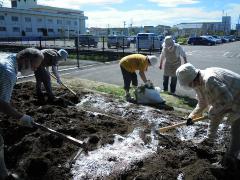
<point>171,53</point>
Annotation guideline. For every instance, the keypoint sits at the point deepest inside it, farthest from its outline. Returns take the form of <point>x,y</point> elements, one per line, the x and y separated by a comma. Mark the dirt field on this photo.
<point>107,122</point>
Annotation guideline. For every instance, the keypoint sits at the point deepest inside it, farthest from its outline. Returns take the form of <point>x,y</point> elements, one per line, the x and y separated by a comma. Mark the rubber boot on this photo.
<point>3,169</point>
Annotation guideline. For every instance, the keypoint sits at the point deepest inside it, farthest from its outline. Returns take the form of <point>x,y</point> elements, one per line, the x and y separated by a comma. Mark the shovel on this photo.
<point>167,128</point>
<point>70,139</point>
<point>75,94</point>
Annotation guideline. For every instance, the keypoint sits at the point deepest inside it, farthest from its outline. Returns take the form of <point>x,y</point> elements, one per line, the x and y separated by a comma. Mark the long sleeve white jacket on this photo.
<point>220,93</point>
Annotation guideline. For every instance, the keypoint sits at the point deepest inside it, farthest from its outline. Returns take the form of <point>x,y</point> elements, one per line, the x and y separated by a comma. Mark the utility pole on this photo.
<point>124,24</point>
<point>238,26</point>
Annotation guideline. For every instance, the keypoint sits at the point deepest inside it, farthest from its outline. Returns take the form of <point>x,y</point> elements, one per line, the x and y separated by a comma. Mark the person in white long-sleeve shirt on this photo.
<point>26,61</point>
<point>171,54</point>
<point>218,90</point>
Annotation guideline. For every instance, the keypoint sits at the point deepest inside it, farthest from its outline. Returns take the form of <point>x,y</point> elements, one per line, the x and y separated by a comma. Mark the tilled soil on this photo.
<point>35,154</point>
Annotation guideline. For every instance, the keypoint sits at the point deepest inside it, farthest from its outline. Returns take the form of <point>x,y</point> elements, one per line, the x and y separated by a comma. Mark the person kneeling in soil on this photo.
<point>129,64</point>
<point>26,61</point>
<point>42,74</point>
<point>219,90</point>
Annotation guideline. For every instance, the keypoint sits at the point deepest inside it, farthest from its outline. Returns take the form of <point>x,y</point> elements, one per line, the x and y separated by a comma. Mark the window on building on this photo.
<point>39,20</point>
<point>60,30</point>
<point>1,17</point>
<point>68,22</point>
<point>59,21</point>
<point>14,18</point>
<point>16,29</point>
<point>27,19</point>
<point>14,4</point>
<point>3,29</point>
<point>50,30</point>
<point>50,20</point>
<point>40,29</point>
<point>75,23</point>
<point>28,29</point>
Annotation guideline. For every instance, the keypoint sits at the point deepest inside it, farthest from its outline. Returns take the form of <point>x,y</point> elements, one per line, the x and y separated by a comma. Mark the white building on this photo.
<point>200,28</point>
<point>27,18</point>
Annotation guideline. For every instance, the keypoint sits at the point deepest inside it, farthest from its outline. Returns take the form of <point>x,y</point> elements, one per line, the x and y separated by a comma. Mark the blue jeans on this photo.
<point>129,78</point>
<point>173,83</point>
<point>43,76</point>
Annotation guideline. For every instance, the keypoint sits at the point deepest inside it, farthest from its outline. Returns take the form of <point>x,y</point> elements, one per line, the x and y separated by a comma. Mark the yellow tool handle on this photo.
<point>167,128</point>
<point>65,85</point>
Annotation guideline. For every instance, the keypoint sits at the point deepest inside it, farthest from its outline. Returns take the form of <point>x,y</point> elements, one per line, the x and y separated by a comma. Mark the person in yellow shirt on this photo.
<point>130,64</point>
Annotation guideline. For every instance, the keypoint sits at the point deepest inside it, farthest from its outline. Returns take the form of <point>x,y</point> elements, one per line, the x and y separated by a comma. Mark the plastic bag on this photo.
<point>145,95</point>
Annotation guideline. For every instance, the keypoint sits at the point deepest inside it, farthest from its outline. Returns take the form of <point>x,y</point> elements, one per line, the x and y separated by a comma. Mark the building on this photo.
<point>201,28</point>
<point>162,30</point>
<point>238,29</point>
<point>27,18</point>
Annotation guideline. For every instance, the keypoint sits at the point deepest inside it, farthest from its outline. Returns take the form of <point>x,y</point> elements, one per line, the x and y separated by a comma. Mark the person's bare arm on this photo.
<point>6,108</point>
<point>143,76</point>
<point>162,57</point>
<point>185,59</point>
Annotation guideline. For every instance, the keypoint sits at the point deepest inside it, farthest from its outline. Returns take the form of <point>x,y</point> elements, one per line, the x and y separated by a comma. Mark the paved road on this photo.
<point>225,55</point>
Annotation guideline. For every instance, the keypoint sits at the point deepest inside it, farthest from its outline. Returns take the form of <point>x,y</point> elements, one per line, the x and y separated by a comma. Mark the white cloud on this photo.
<point>233,10</point>
<point>76,4</point>
<point>173,3</point>
<point>115,18</point>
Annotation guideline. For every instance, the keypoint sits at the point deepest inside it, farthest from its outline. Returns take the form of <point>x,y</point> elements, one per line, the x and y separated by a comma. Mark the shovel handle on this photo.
<point>64,85</point>
<point>167,128</point>
<point>66,137</point>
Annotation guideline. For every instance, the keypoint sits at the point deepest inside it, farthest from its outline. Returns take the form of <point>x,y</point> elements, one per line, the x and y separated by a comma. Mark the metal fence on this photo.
<point>105,48</point>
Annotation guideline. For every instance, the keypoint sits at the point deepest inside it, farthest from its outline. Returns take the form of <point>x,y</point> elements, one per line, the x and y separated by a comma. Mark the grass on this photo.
<point>171,100</point>
<point>92,57</point>
<point>182,102</point>
<point>110,89</point>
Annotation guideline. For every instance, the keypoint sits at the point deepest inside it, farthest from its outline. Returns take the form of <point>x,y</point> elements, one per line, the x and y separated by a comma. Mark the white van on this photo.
<point>149,41</point>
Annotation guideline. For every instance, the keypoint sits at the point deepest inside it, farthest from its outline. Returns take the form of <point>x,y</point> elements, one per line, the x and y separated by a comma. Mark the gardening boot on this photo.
<point>3,169</point>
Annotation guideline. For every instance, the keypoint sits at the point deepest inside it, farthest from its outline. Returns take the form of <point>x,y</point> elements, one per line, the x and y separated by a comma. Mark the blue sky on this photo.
<point>113,13</point>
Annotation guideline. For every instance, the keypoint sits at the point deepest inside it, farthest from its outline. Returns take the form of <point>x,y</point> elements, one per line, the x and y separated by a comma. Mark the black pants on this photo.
<point>43,76</point>
<point>129,77</point>
<point>172,85</point>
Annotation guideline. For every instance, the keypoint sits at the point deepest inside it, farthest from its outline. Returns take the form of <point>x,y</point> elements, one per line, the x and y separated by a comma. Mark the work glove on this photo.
<point>59,81</point>
<point>148,84</point>
<point>189,122</point>
<point>26,120</point>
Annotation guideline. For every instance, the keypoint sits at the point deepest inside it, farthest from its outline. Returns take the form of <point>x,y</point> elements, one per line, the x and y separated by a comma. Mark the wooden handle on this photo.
<point>66,137</point>
<point>167,128</point>
<point>65,85</point>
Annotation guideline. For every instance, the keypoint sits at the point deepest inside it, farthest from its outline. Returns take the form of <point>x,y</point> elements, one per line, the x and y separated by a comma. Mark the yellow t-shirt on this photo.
<point>134,62</point>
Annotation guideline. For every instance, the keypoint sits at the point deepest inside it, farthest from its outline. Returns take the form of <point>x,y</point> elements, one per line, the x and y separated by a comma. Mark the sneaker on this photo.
<point>129,98</point>
<point>12,176</point>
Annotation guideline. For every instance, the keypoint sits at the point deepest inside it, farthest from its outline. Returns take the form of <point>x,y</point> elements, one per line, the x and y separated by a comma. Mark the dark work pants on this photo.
<point>173,83</point>
<point>43,76</point>
<point>129,77</point>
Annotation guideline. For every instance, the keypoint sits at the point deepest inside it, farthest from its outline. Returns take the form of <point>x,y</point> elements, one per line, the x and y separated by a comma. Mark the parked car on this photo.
<point>200,41</point>
<point>231,38</point>
<point>149,41</point>
<point>237,38</point>
<point>118,41</point>
<point>88,40</point>
<point>216,40</point>
<point>224,40</point>
<point>132,39</point>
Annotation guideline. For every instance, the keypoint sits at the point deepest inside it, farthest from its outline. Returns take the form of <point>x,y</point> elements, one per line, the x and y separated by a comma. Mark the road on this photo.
<point>224,55</point>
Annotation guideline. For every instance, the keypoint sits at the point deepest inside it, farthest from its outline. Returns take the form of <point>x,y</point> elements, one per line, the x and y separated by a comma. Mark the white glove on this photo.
<point>26,121</point>
<point>59,81</point>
